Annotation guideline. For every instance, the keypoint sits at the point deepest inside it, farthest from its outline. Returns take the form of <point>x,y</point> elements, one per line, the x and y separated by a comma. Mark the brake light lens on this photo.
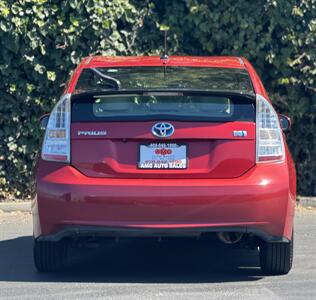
<point>56,145</point>
<point>269,138</point>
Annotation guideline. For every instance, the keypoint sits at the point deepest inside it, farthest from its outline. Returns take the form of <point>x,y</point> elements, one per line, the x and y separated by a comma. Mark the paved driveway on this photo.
<point>151,270</point>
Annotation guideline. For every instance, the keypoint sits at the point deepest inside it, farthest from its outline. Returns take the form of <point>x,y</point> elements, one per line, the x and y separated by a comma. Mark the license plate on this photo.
<point>162,156</point>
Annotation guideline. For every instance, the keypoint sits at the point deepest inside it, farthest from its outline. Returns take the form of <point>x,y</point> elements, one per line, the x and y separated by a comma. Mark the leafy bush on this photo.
<point>42,41</point>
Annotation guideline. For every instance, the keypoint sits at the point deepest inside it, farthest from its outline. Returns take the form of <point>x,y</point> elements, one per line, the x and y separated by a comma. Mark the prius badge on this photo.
<point>91,132</point>
<point>162,129</point>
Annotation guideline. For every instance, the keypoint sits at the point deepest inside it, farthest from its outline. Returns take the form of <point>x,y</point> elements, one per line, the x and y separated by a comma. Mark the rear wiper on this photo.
<point>113,81</point>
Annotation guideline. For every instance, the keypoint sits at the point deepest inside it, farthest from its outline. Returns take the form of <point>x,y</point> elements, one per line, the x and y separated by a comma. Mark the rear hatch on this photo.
<point>163,134</point>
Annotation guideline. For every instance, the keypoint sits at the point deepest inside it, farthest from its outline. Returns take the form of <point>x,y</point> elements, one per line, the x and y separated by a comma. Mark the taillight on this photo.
<point>56,145</point>
<point>269,140</point>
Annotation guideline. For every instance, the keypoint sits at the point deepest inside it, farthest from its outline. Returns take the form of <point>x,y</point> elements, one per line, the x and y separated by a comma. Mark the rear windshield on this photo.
<point>167,106</point>
<point>197,78</point>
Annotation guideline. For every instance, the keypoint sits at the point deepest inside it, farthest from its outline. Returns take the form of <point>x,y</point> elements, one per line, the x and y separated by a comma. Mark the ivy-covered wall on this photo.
<point>42,41</point>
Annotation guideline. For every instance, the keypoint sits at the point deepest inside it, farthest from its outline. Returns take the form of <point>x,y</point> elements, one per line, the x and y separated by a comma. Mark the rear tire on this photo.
<point>50,256</point>
<point>276,258</point>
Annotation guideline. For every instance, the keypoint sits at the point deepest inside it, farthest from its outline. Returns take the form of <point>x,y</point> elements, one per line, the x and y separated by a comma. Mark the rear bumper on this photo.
<point>71,204</point>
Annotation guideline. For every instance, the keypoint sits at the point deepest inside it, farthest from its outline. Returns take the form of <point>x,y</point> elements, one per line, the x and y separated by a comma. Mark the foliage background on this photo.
<point>42,41</point>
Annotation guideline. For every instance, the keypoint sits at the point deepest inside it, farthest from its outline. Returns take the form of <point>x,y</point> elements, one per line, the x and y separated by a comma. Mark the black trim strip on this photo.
<point>100,231</point>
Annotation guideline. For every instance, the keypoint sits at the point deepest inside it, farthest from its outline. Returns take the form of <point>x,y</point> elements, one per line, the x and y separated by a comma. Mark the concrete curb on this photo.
<point>307,201</point>
<point>15,206</point>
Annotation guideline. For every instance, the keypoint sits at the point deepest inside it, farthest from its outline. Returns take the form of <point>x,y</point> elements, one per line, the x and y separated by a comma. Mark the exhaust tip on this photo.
<point>230,237</point>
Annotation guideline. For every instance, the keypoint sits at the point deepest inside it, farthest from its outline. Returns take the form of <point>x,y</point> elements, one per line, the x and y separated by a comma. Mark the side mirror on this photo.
<point>44,121</point>
<point>285,122</point>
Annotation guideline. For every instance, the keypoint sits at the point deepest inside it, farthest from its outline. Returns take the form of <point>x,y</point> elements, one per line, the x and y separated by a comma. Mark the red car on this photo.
<point>165,147</point>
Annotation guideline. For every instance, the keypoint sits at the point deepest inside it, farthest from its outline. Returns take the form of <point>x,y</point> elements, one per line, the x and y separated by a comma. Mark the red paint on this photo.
<point>213,151</point>
<point>223,186</point>
<point>258,199</point>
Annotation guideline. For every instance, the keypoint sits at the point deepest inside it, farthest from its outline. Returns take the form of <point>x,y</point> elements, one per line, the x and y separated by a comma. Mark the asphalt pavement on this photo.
<point>184,269</point>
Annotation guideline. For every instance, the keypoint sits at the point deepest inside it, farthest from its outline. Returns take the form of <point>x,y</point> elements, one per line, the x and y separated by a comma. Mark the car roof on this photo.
<point>185,61</point>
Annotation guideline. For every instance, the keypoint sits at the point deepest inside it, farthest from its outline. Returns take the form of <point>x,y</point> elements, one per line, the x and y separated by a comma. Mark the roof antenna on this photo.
<point>165,55</point>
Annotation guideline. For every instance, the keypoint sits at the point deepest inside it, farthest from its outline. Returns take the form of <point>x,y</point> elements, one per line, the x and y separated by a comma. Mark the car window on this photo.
<point>214,79</point>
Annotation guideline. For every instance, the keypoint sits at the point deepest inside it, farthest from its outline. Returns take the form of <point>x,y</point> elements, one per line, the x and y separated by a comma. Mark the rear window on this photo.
<point>197,78</point>
<point>167,106</point>
<point>156,105</point>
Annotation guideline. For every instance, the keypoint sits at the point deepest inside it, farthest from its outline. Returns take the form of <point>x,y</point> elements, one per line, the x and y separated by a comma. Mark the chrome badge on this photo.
<point>240,133</point>
<point>91,132</point>
<point>162,129</point>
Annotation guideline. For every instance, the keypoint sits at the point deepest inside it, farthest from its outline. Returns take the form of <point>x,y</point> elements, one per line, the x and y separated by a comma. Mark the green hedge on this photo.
<point>42,41</point>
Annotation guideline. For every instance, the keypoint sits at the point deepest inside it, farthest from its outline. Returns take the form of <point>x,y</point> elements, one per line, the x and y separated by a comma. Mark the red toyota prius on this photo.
<point>165,147</point>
